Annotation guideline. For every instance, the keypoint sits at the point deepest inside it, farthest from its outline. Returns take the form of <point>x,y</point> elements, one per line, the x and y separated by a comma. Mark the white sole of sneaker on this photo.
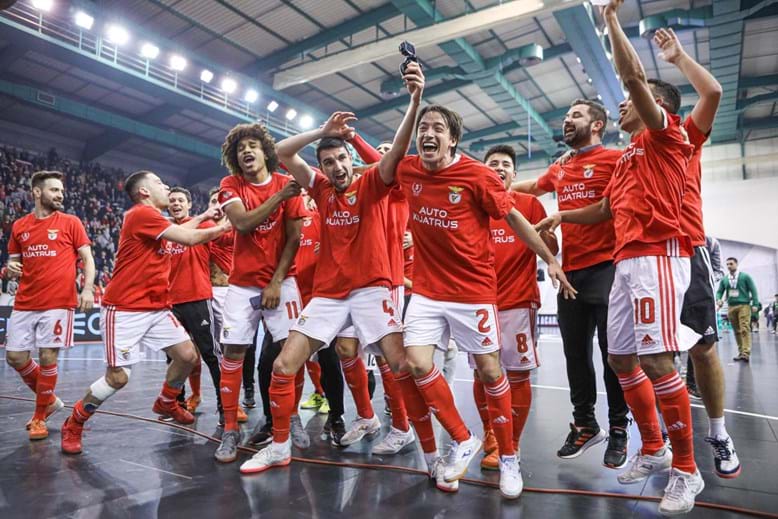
<point>595,440</point>
<point>282,463</point>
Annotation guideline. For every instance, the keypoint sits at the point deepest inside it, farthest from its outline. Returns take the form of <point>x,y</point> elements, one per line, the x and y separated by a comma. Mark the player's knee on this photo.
<point>419,367</point>
<point>16,359</point>
<point>621,364</point>
<point>47,356</point>
<point>282,366</point>
<point>657,366</point>
<point>490,374</point>
<point>345,350</point>
<point>703,353</point>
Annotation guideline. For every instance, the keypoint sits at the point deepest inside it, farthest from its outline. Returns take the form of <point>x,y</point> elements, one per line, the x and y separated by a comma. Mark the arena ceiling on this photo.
<point>480,69</point>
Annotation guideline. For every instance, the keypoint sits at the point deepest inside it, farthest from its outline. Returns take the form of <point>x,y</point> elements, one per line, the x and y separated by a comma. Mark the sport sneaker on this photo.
<point>616,451</point>
<point>436,470</point>
<point>52,408</point>
<point>275,455</point>
<point>395,441</point>
<point>71,437</point>
<point>579,440</point>
<point>725,457</point>
<point>313,402</point>
<point>300,438</point>
<point>227,451</point>
<point>680,492</point>
<point>511,483</point>
<point>242,416</point>
<point>491,461</point>
<point>173,411</point>
<point>262,435</point>
<point>360,428</point>
<point>324,408</point>
<point>643,465</point>
<point>192,403</point>
<point>459,457</point>
<point>248,398</point>
<point>38,430</point>
<point>490,442</point>
<point>694,393</point>
<point>335,428</point>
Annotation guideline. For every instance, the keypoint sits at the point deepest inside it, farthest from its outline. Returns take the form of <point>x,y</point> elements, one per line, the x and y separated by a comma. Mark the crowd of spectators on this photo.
<point>92,192</point>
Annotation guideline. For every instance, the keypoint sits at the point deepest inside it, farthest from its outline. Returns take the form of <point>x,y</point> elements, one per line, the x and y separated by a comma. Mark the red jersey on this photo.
<point>142,274</point>
<point>691,210</point>
<point>581,181</point>
<point>221,251</point>
<point>256,254</point>
<point>646,193</point>
<point>49,252</point>
<point>307,255</point>
<point>353,249</point>
<point>190,272</point>
<point>449,219</point>
<point>397,222</point>
<point>408,267</point>
<point>515,263</point>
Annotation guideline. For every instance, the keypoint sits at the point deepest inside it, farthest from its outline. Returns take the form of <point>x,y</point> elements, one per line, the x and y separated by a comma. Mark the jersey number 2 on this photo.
<point>482,326</point>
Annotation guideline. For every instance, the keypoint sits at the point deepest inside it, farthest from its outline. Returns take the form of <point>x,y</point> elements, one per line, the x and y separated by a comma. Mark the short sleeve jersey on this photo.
<point>49,250</point>
<point>395,232</point>
<point>515,263</point>
<point>141,277</point>
<point>221,251</point>
<point>578,183</point>
<point>353,251</point>
<point>307,255</point>
<point>190,273</point>
<point>646,193</point>
<point>691,210</point>
<point>257,253</point>
<point>449,219</point>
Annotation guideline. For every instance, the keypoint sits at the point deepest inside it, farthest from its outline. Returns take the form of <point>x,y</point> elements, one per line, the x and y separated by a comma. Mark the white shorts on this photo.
<point>30,329</point>
<point>644,308</point>
<point>125,332</point>
<point>369,350</point>
<point>474,327</point>
<point>517,333</point>
<point>370,310</point>
<point>217,305</point>
<point>241,320</point>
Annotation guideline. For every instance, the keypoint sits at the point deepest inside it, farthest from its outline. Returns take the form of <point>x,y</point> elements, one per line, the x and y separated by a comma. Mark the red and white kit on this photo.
<point>255,259</point>
<point>137,309</point>
<point>42,315</point>
<point>221,254</point>
<point>652,252</point>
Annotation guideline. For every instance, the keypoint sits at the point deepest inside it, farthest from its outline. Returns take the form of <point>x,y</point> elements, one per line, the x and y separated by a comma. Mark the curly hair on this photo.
<point>253,131</point>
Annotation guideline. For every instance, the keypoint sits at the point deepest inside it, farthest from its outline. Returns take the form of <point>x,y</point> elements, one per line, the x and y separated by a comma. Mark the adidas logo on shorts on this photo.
<point>709,331</point>
<point>204,323</point>
<point>524,359</point>
<point>647,341</point>
<point>486,342</point>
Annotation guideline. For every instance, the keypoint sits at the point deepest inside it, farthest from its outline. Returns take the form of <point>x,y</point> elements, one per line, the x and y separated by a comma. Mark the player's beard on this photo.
<point>578,137</point>
<point>50,204</point>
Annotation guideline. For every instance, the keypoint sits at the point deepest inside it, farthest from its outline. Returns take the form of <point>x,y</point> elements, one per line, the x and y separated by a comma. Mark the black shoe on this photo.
<point>248,399</point>
<point>616,451</point>
<point>739,357</point>
<point>579,440</point>
<point>262,436</point>
<point>693,392</point>
<point>336,428</point>
<point>746,358</point>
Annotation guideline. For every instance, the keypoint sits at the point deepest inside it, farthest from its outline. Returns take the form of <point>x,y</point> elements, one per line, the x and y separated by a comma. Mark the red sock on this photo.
<point>169,394</point>
<point>281,405</point>
<point>80,414</point>
<point>418,412</point>
<point>498,399</point>
<point>314,371</point>
<point>395,398</point>
<point>231,379</point>
<point>521,400</point>
<point>299,384</point>
<point>194,378</point>
<point>437,395</point>
<point>639,395</point>
<point>44,391</point>
<point>479,395</point>
<point>29,373</point>
<point>674,403</point>
<point>356,378</point>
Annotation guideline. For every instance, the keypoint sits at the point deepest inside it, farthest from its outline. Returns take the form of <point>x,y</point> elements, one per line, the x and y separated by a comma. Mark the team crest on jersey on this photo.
<point>301,320</point>
<point>455,194</point>
<point>560,174</point>
<point>53,233</point>
<point>24,237</point>
<point>351,197</point>
<point>307,222</point>
<point>588,170</point>
<point>416,189</point>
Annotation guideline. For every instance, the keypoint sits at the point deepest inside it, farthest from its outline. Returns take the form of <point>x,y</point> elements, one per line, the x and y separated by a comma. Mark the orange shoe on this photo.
<point>71,437</point>
<point>491,461</point>
<point>490,442</point>
<point>174,411</point>
<point>242,416</point>
<point>38,430</point>
<point>192,403</point>
<point>52,408</point>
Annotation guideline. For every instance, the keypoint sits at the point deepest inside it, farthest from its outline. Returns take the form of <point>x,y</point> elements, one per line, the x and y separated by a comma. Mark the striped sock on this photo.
<point>437,395</point>
<point>29,373</point>
<point>498,399</point>
<point>639,395</point>
<point>674,403</point>
<point>44,390</point>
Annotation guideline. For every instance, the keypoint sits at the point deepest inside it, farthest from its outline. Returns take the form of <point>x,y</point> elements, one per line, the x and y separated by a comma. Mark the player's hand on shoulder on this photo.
<point>565,158</point>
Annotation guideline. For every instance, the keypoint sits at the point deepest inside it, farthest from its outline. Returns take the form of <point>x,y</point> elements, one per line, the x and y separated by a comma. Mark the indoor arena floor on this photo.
<point>135,466</point>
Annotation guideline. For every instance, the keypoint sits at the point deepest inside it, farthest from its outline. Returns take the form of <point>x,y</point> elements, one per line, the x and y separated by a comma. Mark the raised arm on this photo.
<point>189,237</point>
<point>414,82</point>
<point>706,86</point>
<point>246,221</point>
<point>86,300</point>
<point>366,152</point>
<point>194,223</point>
<point>631,70</point>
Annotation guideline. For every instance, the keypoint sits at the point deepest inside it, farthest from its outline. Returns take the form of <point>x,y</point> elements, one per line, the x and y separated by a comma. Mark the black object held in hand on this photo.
<point>409,51</point>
